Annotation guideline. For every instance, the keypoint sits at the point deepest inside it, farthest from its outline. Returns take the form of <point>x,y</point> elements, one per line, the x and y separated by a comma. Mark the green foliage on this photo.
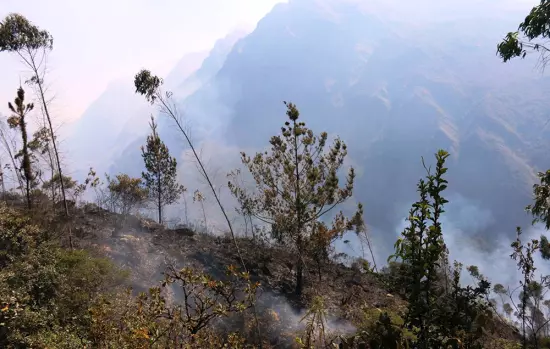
<point>422,248</point>
<point>465,313</point>
<point>388,332</point>
<point>52,297</point>
<point>51,287</point>
<point>534,26</point>
<point>523,254</point>
<point>315,334</point>
<point>126,193</point>
<point>17,236</point>
<point>55,183</point>
<point>511,47</point>
<point>147,85</point>
<point>161,176</point>
<point>440,311</point>
<point>296,184</point>
<point>17,33</point>
<point>540,209</point>
<point>45,291</point>
<point>544,247</point>
<point>40,141</point>
<point>529,312</point>
<point>73,188</point>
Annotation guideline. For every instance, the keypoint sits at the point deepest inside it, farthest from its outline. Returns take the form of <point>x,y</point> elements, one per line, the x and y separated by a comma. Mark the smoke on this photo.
<point>465,225</point>
<point>218,159</point>
<point>287,320</point>
<point>465,222</point>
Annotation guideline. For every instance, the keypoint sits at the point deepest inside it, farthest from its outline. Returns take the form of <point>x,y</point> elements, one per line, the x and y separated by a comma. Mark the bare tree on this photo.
<point>10,145</point>
<point>149,86</point>
<point>18,35</point>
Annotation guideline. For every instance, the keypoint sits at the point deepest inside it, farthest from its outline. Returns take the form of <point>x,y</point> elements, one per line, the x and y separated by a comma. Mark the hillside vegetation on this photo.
<point>83,274</point>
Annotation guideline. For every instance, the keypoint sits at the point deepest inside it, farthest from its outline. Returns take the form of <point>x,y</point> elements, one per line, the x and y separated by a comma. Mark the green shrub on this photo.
<point>46,290</point>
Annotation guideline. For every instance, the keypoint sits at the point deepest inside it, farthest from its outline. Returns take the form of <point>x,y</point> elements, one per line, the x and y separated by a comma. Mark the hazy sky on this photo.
<point>98,41</point>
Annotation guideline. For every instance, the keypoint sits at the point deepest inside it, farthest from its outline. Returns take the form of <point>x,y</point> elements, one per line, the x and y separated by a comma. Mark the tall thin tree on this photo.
<point>18,35</point>
<point>160,177</point>
<point>17,120</point>
<point>9,144</point>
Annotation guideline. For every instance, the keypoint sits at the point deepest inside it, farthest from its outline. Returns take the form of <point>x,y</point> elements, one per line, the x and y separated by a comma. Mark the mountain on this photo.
<point>120,117</point>
<point>182,86</point>
<point>186,67</point>
<point>396,84</point>
<point>95,138</point>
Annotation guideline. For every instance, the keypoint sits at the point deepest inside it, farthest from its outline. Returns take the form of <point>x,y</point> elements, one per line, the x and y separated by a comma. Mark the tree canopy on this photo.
<point>530,36</point>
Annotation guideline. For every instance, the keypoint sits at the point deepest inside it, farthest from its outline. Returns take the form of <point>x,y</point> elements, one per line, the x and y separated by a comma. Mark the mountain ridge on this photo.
<point>405,96</point>
<point>394,91</point>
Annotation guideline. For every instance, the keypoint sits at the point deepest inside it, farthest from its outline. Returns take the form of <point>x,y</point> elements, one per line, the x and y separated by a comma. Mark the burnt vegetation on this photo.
<point>81,274</point>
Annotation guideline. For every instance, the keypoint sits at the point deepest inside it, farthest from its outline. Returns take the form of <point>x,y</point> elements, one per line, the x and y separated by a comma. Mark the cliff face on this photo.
<point>394,89</point>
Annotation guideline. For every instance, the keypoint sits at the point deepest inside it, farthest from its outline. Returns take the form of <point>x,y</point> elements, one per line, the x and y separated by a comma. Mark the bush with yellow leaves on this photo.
<point>150,321</point>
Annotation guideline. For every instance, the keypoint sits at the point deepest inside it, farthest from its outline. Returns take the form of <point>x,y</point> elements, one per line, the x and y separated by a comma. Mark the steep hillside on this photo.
<point>395,90</point>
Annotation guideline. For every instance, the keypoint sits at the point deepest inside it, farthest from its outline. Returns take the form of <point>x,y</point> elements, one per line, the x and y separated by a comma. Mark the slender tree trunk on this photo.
<point>299,242</point>
<point>53,192</point>
<point>3,183</point>
<point>46,111</point>
<point>52,170</point>
<point>160,206</point>
<point>15,168</point>
<point>299,268</point>
<point>159,175</point>
<point>245,226</point>
<point>61,179</point>
<point>28,190</point>
<point>26,161</point>
<point>319,270</point>
<point>211,185</point>
<point>204,215</point>
<point>299,276</point>
<point>252,229</point>
<point>523,311</point>
<point>185,210</point>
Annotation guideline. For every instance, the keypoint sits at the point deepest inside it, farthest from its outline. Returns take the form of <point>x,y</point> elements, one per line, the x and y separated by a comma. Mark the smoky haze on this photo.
<point>360,69</point>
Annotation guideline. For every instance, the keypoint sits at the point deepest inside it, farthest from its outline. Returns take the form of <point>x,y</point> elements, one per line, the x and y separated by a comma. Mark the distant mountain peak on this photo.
<point>186,66</point>
<point>227,42</point>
